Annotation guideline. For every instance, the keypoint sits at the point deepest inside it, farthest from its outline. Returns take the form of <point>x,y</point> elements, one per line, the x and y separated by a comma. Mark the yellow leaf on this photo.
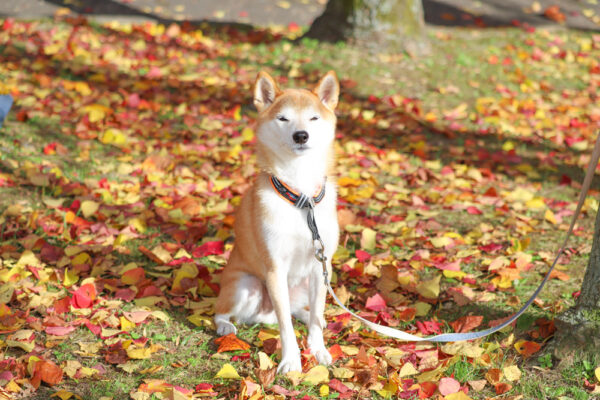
<point>343,373</point>
<point>440,241</point>
<point>108,332</point>
<point>390,389</point>
<point>597,373</point>
<point>264,361</point>
<point>227,372</point>
<point>12,386</point>
<point>65,395</point>
<point>200,320</point>
<point>28,258</point>
<point>81,258</point>
<point>162,254</point>
<point>349,350</point>
<point>324,390</point>
<point>368,115</point>
<point>468,349</point>
<point>508,146</point>
<point>96,112</point>
<point>89,208</point>
<point>549,216</point>
<point>247,134</point>
<point>139,353</point>
<point>71,278</point>
<point>460,395</point>
<point>430,289</point>
<point>284,4</point>
<point>536,203</point>
<point>316,375</point>
<point>520,194</point>
<point>113,136</point>
<point>407,370</point>
<point>126,325</point>
<point>512,373</point>
<point>454,274</point>
<point>422,308</point>
<point>367,239</point>
<point>187,270</point>
<point>26,346</point>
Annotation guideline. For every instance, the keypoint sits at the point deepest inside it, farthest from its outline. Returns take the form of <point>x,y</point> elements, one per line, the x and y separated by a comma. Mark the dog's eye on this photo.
<point>282,118</point>
<point>314,118</point>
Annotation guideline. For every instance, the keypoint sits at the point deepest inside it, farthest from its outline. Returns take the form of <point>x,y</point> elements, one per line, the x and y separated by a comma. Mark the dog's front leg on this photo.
<point>277,286</point>
<point>317,293</point>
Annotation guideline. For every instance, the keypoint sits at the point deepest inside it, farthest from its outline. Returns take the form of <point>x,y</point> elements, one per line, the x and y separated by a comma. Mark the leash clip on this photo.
<point>319,249</point>
<point>320,256</point>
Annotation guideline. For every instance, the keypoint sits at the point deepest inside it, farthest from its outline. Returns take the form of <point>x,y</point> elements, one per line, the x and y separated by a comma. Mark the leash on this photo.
<point>448,337</point>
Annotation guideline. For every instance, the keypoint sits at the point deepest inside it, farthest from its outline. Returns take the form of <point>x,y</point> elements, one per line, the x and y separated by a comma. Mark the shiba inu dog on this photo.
<point>272,273</point>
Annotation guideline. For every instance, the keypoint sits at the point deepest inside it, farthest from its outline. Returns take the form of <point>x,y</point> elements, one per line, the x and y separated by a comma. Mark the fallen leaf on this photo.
<point>316,375</point>
<point>227,372</point>
<point>448,386</point>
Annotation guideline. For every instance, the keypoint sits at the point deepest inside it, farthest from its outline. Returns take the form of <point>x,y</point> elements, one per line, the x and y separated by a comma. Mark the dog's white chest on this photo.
<point>288,237</point>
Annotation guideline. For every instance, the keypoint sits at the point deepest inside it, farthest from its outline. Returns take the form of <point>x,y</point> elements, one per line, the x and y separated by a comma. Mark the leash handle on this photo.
<point>455,337</point>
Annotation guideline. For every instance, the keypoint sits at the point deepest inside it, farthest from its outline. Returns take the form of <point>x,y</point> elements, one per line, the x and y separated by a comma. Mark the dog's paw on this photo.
<point>322,355</point>
<point>225,328</point>
<point>290,363</point>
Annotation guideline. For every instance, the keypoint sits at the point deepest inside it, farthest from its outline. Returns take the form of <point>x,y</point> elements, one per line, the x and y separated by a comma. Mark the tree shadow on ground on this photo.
<point>482,150</point>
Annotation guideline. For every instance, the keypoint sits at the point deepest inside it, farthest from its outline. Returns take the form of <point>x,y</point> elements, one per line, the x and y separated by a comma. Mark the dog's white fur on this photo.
<point>272,272</point>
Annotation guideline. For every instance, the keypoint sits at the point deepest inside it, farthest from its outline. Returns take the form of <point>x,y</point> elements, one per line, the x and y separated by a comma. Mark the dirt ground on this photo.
<point>579,14</point>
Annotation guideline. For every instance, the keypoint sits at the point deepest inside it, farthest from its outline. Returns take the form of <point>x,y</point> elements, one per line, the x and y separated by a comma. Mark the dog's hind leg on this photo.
<point>244,298</point>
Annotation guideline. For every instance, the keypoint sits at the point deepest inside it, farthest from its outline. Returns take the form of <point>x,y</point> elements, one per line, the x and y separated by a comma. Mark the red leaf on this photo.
<point>338,386</point>
<point>209,249</point>
<point>62,306</point>
<point>474,210</point>
<point>95,329</point>
<point>376,303</point>
<point>427,389</point>
<point>59,330</point>
<point>84,296</point>
<point>362,255</point>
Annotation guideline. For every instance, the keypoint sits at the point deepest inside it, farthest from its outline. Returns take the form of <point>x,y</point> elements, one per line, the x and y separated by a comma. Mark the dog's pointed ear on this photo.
<point>328,90</point>
<point>265,91</point>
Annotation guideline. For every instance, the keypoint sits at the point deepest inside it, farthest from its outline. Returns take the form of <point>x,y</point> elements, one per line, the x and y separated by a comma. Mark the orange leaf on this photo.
<point>493,376</point>
<point>559,275</point>
<point>466,323</point>
<point>502,387</point>
<point>133,276</point>
<point>231,343</point>
<point>46,371</point>
<point>527,348</point>
<point>150,254</point>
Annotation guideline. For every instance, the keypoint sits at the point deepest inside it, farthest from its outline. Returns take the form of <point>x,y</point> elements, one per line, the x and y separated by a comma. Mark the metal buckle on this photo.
<point>320,256</point>
<point>319,250</point>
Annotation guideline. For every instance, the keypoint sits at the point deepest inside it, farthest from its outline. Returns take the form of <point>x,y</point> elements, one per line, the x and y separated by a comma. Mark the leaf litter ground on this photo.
<point>129,147</point>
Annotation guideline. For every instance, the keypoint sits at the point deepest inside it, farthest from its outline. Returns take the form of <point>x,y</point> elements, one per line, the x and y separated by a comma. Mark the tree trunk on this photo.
<point>389,25</point>
<point>578,328</point>
<point>590,288</point>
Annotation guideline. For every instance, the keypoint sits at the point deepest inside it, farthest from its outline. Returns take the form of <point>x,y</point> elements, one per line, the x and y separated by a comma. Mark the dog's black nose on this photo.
<point>300,137</point>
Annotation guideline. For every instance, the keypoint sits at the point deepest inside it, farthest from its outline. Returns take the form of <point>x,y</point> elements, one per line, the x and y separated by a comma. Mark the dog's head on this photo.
<point>296,121</point>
